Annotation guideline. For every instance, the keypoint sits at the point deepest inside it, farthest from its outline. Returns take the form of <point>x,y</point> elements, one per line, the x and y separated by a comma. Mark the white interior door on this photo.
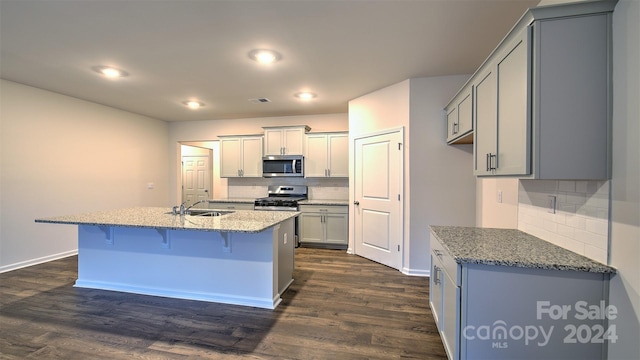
<point>377,198</point>
<point>196,178</point>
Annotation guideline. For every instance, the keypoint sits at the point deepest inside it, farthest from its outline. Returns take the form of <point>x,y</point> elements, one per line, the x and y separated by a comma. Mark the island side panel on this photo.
<point>198,265</point>
<point>285,245</point>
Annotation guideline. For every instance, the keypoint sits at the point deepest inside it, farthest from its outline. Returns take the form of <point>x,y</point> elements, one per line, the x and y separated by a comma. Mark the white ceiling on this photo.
<point>178,50</point>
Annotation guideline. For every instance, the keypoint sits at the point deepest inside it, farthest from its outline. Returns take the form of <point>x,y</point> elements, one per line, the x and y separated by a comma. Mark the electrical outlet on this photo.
<point>151,186</point>
<point>551,207</point>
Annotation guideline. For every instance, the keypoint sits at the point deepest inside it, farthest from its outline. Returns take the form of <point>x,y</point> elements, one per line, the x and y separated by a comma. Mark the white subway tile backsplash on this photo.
<point>581,221</point>
<point>599,241</point>
<point>568,186</point>
<point>595,254</point>
<point>576,221</point>
<point>575,246</point>
<point>576,198</point>
<point>597,226</point>
<point>567,231</point>
<point>582,186</point>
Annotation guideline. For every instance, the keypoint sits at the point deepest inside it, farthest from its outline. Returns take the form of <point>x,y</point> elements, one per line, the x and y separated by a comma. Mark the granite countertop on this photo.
<point>234,200</point>
<point>510,247</point>
<point>246,221</point>
<point>324,202</point>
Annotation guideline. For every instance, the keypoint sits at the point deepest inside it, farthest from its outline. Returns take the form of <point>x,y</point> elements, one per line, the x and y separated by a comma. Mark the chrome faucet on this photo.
<point>192,205</point>
<point>179,209</point>
<point>182,210</point>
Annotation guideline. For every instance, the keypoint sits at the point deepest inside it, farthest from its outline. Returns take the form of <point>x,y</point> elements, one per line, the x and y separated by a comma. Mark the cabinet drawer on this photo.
<point>334,209</point>
<point>450,267</point>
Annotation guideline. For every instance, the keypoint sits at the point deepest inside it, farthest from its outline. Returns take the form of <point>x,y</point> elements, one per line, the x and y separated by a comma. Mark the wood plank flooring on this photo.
<point>339,307</point>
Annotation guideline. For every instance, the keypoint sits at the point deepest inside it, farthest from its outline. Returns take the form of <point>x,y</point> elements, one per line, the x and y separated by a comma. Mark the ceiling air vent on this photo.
<point>259,100</point>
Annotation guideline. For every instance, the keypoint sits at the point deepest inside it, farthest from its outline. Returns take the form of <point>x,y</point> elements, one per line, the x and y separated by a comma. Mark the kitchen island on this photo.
<point>505,294</point>
<point>242,257</point>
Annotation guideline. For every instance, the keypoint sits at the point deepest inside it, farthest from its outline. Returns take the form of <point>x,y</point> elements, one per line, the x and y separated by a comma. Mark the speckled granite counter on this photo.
<point>510,247</point>
<point>246,221</point>
<point>325,202</point>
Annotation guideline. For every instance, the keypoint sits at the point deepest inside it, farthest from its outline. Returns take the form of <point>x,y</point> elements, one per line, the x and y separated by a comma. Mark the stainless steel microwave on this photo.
<point>283,166</point>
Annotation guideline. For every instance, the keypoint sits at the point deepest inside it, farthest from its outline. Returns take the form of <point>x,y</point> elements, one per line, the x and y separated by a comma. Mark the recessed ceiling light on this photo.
<point>304,95</point>
<point>264,56</point>
<point>193,104</point>
<point>110,72</point>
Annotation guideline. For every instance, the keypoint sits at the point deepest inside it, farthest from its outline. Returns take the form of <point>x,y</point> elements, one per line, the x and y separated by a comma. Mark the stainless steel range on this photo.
<point>281,198</point>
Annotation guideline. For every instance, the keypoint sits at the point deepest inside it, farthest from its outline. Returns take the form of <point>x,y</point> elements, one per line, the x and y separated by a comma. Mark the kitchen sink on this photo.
<point>205,212</point>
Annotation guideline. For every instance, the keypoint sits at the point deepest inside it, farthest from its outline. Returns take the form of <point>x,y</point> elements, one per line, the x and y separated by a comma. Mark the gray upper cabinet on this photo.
<point>485,110</point>
<point>541,104</point>
<point>503,112</point>
<point>460,119</point>
<point>572,98</point>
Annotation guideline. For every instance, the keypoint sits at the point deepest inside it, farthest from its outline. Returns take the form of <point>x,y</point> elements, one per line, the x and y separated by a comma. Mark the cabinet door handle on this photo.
<point>487,161</point>
<point>356,203</point>
<point>491,164</point>
<point>436,279</point>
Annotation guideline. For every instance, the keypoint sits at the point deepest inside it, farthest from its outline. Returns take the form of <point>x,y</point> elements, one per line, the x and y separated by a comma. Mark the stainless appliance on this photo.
<point>283,198</point>
<point>283,166</point>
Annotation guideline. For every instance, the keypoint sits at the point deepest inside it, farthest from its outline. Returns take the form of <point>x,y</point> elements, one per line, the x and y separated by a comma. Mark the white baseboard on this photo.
<point>37,261</point>
<point>178,294</point>
<point>416,272</point>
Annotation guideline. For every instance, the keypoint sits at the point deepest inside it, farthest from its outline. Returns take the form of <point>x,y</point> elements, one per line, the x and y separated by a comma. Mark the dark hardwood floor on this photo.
<point>339,307</point>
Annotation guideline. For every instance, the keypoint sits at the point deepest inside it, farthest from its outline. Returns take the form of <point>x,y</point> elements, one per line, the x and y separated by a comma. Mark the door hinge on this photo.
<point>399,146</point>
<point>398,247</point>
<point>398,197</point>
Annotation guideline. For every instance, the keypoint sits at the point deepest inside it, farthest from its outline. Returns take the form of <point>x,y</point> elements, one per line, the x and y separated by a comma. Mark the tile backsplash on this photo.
<point>319,189</point>
<point>581,219</point>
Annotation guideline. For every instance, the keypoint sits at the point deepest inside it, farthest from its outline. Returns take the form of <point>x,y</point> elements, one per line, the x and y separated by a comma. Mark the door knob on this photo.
<point>356,203</point>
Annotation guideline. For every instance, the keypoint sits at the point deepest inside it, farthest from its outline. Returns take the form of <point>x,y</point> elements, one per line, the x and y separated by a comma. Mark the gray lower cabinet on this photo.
<point>508,312</point>
<point>223,205</point>
<point>324,226</point>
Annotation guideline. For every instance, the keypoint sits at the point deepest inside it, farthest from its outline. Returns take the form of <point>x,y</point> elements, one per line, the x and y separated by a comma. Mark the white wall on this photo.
<point>439,187</point>
<point>494,210</point>
<point>62,155</point>
<point>192,132</point>
<point>625,183</point>
<point>442,185</point>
